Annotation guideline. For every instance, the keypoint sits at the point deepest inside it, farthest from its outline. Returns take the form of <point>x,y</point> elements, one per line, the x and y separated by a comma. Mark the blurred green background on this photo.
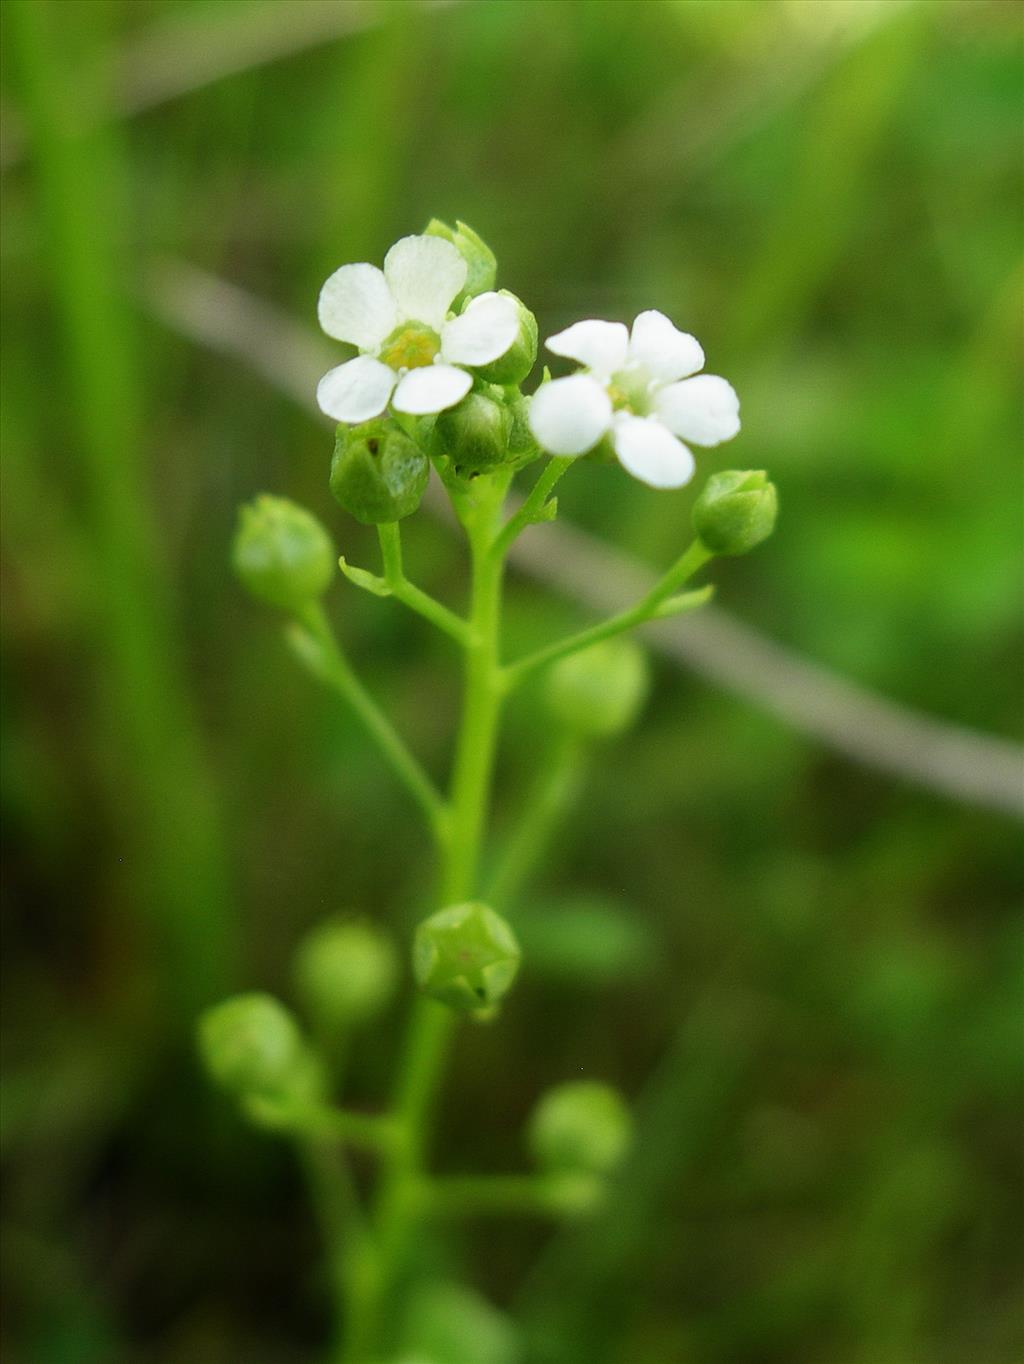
<point>807,974</point>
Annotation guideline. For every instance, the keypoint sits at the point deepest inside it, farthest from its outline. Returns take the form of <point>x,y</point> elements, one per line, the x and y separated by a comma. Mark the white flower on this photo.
<point>635,386</point>
<point>411,352</point>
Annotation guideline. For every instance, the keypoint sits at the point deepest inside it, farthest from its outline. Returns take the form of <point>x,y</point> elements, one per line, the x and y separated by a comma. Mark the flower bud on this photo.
<point>519,359</point>
<point>584,1126</point>
<point>378,473</point>
<point>251,1045</point>
<point>598,692</point>
<point>345,973</point>
<point>481,265</point>
<point>736,511</point>
<point>474,433</point>
<point>282,553</point>
<point>465,956</point>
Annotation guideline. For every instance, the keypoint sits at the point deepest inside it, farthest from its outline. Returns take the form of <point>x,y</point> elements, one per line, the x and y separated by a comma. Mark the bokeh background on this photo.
<point>807,972</point>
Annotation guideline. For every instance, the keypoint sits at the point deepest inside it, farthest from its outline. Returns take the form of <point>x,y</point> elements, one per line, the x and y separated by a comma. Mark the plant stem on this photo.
<point>645,609</point>
<point>327,661</point>
<point>459,1195</point>
<point>553,790</point>
<point>533,504</point>
<point>390,537</point>
<point>366,1130</point>
<point>432,1025</point>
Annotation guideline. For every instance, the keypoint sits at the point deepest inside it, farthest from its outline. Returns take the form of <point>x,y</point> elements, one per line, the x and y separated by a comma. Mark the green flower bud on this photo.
<point>251,1045</point>
<point>519,359</point>
<point>378,474</point>
<point>481,265</point>
<point>474,434</point>
<point>465,956</point>
<point>736,511</point>
<point>345,973</point>
<point>583,1126</point>
<point>282,553</point>
<point>599,691</point>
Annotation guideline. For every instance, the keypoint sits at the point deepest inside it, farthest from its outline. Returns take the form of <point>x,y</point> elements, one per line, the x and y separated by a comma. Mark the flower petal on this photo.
<point>705,409</point>
<point>664,351</point>
<point>355,391</point>
<point>650,452</point>
<point>569,416</point>
<point>431,388</point>
<point>425,274</point>
<point>601,346</point>
<point>483,333</point>
<point>355,305</point>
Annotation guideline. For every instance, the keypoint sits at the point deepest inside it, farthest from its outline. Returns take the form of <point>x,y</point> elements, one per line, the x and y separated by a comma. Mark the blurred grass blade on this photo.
<point>159,785</point>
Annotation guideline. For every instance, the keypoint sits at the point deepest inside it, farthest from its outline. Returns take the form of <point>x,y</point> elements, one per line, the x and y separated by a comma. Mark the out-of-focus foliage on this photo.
<point>808,976</point>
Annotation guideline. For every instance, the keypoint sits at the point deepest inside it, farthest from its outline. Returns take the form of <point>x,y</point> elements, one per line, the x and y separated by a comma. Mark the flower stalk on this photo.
<point>442,357</point>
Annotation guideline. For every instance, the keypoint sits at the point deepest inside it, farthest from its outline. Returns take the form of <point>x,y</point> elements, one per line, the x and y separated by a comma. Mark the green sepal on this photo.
<point>465,956</point>
<point>481,263</point>
<point>684,601</point>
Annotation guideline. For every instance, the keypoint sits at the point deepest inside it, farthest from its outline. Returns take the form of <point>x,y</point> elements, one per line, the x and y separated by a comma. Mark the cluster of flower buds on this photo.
<point>466,956</point>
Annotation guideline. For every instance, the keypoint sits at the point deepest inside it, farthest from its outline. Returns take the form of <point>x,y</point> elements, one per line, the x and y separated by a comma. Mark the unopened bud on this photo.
<point>282,553</point>
<point>583,1127</point>
<point>466,956</point>
<point>598,692</point>
<point>474,434</point>
<point>519,359</point>
<point>378,474</point>
<point>481,265</point>
<point>345,973</point>
<point>736,511</point>
<point>251,1044</point>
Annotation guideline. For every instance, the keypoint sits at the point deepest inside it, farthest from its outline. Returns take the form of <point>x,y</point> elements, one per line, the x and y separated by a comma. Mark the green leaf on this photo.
<point>369,582</point>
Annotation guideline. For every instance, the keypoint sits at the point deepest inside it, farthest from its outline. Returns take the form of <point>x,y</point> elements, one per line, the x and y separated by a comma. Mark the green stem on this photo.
<point>390,537</point>
<point>645,609</point>
<point>432,1026</point>
<point>553,1194</point>
<point>342,1228</point>
<point>553,790</point>
<point>316,647</point>
<point>533,506</point>
<point>319,1120</point>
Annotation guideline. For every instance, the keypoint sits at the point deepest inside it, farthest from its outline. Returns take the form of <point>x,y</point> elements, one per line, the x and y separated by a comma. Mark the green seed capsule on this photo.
<point>251,1044</point>
<point>599,691</point>
<point>581,1127</point>
<point>736,511</point>
<point>345,973</point>
<point>282,553</point>
<point>466,956</point>
<point>378,473</point>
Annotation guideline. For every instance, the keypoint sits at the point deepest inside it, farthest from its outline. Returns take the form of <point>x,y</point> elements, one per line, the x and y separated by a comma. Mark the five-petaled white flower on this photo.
<point>411,352</point>
<point>635,386</point>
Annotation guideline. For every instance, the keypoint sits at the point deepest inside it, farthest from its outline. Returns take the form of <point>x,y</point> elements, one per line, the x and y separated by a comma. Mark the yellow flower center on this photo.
<point>410,347</point>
